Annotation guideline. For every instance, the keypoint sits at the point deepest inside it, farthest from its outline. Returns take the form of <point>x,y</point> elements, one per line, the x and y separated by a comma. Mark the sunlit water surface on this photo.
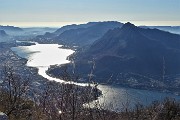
<point>115,98</point>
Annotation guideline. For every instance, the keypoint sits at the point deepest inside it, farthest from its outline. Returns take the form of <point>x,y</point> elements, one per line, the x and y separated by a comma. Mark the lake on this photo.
<point>114,98</point>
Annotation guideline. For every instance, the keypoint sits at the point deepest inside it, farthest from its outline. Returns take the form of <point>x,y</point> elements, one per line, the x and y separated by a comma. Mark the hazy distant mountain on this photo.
<point>172,29</point>
<point>133,56</point>
<point>88,33</point>
<point>46,35</point>
<point>73,26</point>
<point>50,37</point>
<point>3,34</point>
<point>80,35</point>
<point>38,31</point>
<point>11,29</point>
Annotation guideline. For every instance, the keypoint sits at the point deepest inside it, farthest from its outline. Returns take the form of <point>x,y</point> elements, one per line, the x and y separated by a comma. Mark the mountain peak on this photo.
<point>129,28</point>
<point>128,25</point>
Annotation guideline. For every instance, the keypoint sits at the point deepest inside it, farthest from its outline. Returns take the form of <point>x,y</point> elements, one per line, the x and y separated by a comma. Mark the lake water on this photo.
<point>114,98</point>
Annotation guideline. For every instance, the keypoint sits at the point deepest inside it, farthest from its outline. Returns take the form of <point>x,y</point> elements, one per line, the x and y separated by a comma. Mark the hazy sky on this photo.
<point>55,12</point>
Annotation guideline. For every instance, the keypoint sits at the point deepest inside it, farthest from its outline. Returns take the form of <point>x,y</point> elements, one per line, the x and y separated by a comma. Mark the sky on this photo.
<point>60,12</point>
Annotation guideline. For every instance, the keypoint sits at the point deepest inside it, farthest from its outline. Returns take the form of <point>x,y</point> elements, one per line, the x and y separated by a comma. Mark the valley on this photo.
<point>126,63</point>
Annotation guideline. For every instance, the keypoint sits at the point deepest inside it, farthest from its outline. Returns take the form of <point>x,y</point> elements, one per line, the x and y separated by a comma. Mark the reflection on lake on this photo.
<point>42,56</point>
<point>115,98</point>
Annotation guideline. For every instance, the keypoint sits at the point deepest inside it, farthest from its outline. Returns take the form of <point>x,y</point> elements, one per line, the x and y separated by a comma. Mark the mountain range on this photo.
<point>81,35</point>
<point>10,28</point>
<point>172,29</point>
<point>131,56</point>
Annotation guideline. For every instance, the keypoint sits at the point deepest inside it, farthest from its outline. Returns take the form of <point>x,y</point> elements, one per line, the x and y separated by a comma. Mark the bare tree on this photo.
<point>13,93</point>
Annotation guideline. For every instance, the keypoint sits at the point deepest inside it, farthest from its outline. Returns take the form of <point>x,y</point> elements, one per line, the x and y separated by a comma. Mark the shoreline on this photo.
<point>44,81</point>
<point>100,89</point>
<point>176,93</point>
<point>37,82</point>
